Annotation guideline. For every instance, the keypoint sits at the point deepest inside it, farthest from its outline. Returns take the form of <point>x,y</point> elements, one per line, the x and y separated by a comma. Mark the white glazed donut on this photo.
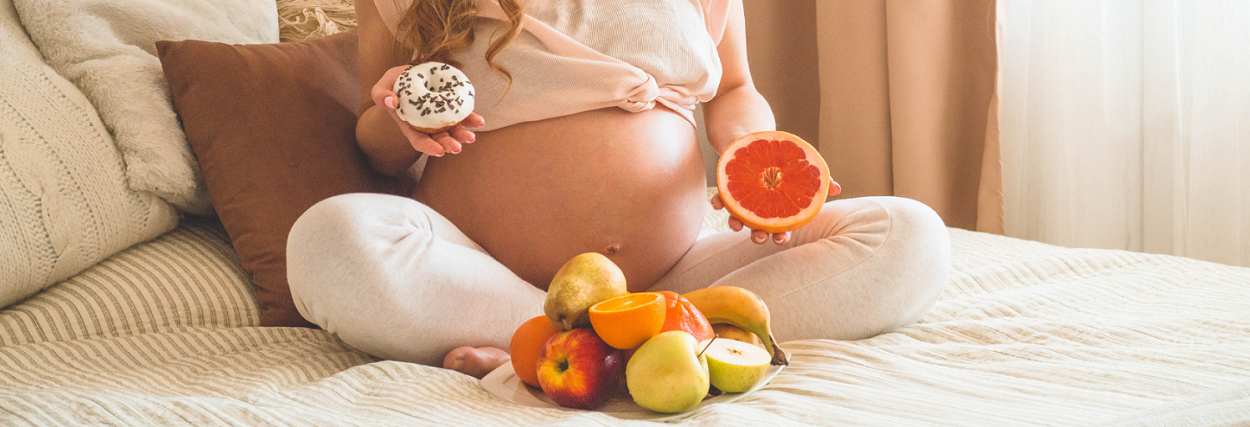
<point>433,97</point>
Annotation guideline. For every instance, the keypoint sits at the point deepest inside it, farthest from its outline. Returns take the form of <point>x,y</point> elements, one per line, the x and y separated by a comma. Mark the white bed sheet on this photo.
<point>1025,334</point>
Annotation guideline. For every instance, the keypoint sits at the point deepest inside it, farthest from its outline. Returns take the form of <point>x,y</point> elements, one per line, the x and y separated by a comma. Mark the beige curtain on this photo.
<point>907,102</point>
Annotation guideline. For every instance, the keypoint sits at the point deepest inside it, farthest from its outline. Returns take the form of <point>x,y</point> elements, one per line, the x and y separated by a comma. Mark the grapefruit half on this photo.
<point>772,181</point>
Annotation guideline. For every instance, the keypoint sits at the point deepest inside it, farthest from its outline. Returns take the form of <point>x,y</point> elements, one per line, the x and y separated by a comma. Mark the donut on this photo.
<point>433,97</point>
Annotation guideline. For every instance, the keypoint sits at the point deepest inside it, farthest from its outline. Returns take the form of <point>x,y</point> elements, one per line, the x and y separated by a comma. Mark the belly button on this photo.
<point>613,248</point>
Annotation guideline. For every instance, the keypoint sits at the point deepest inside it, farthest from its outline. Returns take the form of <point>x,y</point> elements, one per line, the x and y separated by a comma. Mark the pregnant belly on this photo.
<point>627,185</point>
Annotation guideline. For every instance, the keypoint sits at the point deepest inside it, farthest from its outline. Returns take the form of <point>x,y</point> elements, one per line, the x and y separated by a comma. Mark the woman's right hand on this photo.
<point>436,145</point>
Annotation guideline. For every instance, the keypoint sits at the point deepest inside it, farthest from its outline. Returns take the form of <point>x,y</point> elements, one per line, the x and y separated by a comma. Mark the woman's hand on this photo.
<point>757,236</point>
<point>761,236</point>
<point>435,145</point>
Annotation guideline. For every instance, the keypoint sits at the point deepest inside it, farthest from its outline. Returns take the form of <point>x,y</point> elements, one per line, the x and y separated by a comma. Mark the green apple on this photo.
<point>735,366</point>
<point>667,373</point>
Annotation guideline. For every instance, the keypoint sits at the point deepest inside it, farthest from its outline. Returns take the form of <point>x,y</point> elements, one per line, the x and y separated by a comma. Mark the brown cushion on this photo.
<point>273,127</point>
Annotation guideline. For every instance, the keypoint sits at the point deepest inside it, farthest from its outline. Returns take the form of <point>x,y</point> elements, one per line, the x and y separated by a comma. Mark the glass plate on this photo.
<point>504,383</point>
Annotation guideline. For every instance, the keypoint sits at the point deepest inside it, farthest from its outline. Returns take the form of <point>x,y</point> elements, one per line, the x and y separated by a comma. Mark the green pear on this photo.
<point>667,373</point>
<point>583,281</point>
<point>735,366</point>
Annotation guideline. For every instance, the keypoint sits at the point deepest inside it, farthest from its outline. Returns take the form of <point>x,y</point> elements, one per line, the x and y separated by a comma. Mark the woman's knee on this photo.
<point>909,265</point>
<point>335,254</point>
<point>341,225</point>
<point>322,237</point>
<point>887,223</point>
<point>919,244</point>
<point>915,223</point>
<point>323,224</point>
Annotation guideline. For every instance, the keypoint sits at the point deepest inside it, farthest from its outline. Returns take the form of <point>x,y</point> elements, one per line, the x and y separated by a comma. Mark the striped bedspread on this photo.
<point>1025,334</point>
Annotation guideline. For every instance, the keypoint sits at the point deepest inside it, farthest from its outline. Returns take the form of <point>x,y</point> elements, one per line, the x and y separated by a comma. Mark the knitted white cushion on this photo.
<point>107,48</point>
<point>64,201</point>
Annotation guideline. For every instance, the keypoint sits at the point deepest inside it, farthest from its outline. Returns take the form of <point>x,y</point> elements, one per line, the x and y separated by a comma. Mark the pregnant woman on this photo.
<point>584,141</point>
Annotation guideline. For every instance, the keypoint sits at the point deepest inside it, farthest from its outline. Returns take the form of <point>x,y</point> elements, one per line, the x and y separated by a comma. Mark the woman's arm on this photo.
<point>376,133</point>
<point>390,145</point>
<point>737,109</point>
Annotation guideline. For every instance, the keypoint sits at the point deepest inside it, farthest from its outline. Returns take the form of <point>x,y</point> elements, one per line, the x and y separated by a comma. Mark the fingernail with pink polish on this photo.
<point>389,101</point>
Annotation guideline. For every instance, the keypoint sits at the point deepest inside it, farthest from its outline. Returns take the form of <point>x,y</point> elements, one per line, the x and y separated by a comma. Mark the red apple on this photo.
<point>578,370</point>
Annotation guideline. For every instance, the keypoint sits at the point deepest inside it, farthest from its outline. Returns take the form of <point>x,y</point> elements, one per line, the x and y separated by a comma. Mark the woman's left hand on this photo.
<point>761,236</point>
<point>758,236</point>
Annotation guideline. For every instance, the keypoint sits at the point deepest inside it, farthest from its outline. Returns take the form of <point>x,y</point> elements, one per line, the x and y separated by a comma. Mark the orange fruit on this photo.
<point>681,315</point>
<point>627,321</point>
<point>527,343</point>
<point>773,181</point>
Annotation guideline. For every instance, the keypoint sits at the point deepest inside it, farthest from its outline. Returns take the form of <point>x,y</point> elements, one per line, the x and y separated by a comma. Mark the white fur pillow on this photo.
<point>107,48</point>
<point>64,202</point>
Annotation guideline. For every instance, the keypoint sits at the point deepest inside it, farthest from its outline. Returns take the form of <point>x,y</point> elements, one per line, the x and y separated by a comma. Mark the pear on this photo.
<point>667,373</point>
<point>735,366</point>
<point>583,281</point>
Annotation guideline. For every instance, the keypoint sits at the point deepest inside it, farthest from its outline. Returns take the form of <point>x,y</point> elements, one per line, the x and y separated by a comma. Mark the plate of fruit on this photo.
<point>642,355</point>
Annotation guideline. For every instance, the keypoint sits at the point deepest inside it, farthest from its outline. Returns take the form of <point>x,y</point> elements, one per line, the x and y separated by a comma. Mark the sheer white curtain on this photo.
<point>1126,125</point>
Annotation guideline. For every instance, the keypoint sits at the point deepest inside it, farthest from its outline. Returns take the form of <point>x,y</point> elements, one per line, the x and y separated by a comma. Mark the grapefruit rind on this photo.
<point>767,211</point>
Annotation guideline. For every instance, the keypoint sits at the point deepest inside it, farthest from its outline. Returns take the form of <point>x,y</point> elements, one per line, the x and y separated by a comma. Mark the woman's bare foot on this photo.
<point>475,361</point>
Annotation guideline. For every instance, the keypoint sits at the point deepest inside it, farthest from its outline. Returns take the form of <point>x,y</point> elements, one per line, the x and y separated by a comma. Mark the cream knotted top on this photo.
<point>581,55</point>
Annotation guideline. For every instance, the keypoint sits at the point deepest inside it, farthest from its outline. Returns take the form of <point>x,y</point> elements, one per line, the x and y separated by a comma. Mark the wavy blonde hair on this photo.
<point>435,29</point>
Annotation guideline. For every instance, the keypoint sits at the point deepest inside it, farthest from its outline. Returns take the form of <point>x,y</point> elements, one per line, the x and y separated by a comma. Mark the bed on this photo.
<point>165,333</point>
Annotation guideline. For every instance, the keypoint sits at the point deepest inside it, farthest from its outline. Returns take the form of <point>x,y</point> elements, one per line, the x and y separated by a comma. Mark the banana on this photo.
<point>741,308</point>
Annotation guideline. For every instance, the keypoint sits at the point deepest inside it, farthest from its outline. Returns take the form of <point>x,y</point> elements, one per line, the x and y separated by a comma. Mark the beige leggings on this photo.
<point>395,279</point>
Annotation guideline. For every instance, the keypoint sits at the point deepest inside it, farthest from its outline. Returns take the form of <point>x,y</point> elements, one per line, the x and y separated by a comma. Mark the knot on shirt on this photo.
<point>642,97</point>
